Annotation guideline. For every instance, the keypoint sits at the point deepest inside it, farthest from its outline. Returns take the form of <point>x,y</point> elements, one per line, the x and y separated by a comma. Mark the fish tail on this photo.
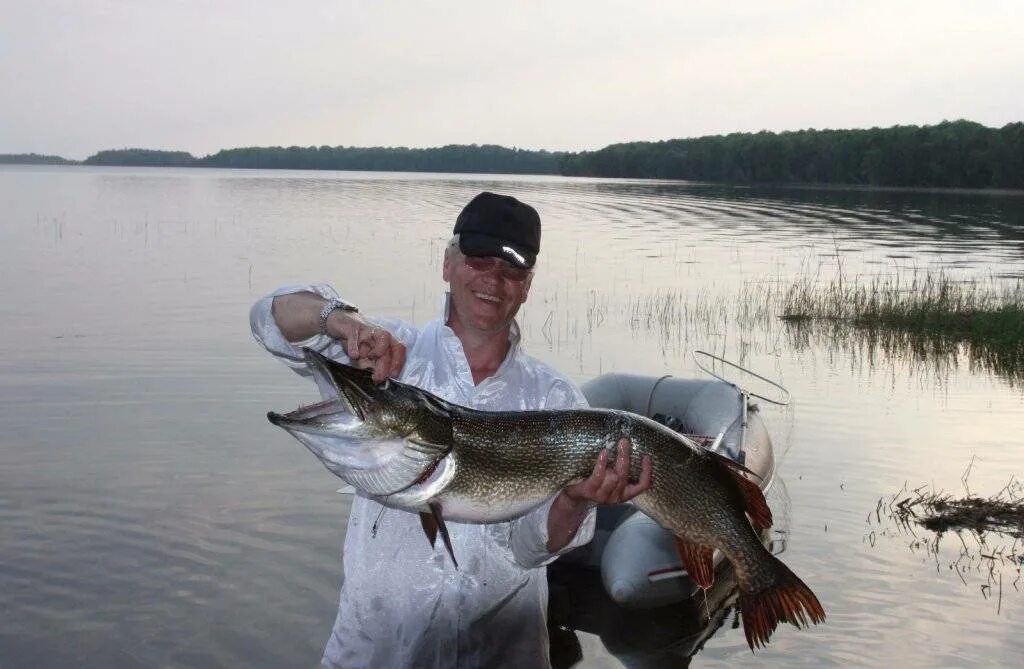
<point>786,599</point>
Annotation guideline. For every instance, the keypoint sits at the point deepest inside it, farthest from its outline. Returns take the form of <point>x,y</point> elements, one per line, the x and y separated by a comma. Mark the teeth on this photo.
<point>489,298</point>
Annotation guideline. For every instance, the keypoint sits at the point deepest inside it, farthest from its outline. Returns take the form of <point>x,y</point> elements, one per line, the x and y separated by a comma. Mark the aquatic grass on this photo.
<point>924,318</point>
<point>984,311</point>
<point>929,315</point>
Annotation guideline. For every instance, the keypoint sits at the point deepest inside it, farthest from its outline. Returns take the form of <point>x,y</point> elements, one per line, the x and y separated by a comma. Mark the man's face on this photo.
<point>486,292</point>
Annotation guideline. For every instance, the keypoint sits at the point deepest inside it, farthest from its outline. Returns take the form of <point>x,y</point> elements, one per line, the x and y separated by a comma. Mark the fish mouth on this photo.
<point>332,427</point>
<point>341,386</point>
<point>306,412</point>
<point>336,437</point>
<point>352,386</point>
<point>335,400</point>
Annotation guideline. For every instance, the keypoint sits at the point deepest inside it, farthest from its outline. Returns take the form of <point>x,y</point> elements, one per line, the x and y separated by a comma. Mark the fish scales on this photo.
<point>476,466</point>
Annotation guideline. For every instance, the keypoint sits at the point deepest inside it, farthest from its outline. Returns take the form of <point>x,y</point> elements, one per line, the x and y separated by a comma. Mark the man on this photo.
<point>403,603</point>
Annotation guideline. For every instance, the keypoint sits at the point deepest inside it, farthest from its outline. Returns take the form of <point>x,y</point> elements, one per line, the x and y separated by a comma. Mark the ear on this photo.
<point>526,288</point>
<point>447,267</point>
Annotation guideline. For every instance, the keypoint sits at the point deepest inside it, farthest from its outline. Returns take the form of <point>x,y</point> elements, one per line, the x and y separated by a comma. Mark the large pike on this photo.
<point>411,450</point>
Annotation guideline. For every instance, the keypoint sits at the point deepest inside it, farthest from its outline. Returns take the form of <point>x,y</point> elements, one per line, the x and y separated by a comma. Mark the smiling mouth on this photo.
<point>488,298</point>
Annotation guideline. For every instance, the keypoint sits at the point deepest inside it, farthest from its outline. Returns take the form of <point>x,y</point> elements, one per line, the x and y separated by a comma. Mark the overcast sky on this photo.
<point>80,76</point>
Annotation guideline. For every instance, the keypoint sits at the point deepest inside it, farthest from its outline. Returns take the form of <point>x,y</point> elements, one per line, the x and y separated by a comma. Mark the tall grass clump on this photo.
<point>928,319</point>
<point>928,315</point>
<point>927,303</point>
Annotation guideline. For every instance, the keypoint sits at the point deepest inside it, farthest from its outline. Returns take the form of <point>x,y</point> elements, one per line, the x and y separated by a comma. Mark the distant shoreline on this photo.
<point>34,159</point>
<point>1008,192</point>
<point>958,156</point>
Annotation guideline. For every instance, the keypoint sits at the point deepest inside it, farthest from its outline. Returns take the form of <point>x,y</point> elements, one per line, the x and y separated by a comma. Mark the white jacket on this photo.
<point>402,603</point>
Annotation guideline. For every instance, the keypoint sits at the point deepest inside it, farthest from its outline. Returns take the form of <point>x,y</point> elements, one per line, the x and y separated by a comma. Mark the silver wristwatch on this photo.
<point>329,308</point>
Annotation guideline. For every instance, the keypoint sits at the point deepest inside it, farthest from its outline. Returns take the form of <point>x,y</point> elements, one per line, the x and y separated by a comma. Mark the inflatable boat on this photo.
<point>637,559</point>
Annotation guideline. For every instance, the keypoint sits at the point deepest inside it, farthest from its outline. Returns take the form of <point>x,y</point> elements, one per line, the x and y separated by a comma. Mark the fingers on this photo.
<point>379,341</point>
<point>356,341</point>
<point>611,481</point>
<point>645,481</point>
<point>610,485</point>
<point>600,467</point>
<point>622,463</point>
<point>372,347</point>
<point>587,490</point>
<point>397,360</point>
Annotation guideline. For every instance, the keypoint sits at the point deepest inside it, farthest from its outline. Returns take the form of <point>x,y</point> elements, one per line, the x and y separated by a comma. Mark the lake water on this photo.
<point>151,517</point>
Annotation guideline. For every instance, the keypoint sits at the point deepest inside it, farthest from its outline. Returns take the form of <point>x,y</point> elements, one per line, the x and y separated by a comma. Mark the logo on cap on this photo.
<point>512,252</point>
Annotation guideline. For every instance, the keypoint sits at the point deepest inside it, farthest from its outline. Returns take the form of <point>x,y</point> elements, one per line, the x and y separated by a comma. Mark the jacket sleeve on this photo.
<point>268,335</point>
<point>528,535</point>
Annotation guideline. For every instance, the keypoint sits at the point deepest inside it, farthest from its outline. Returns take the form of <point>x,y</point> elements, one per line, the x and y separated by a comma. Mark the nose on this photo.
<point>491,278</point>
<point>493,270</point>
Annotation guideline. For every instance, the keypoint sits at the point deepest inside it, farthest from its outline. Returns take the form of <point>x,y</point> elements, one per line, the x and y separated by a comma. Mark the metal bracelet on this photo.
<point>329,308</point>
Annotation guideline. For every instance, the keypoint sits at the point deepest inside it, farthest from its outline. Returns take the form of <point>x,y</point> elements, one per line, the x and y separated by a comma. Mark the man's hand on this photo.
<point>605,485</point>
<point>610,485</point>
<point>367,345</point>
<point>370,347</point>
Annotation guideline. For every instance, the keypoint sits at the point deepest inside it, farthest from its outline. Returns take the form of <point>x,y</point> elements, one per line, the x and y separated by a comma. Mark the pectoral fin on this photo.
<point>432,523</point>
<point>429,527</point>
<point>436,510</point>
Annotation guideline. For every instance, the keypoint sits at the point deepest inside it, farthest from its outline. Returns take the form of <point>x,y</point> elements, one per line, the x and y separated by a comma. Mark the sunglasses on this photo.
<point>489,263</point>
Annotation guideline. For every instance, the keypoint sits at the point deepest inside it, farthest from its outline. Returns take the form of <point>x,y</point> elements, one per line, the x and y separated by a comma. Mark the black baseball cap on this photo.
<point>501,226</point>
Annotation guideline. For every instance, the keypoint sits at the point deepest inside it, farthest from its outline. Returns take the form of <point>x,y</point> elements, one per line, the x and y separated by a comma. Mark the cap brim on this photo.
<point>476,244</point>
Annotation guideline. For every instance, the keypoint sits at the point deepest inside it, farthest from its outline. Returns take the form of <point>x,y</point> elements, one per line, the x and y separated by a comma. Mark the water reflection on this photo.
<point>932,356</point>
<point>662,636</point>
<point>666,636</point>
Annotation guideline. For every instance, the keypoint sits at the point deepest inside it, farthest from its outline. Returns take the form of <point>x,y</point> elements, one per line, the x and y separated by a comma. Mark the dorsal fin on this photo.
<point>733,465</point>
<point>435,405</point>
<point>754,502</point>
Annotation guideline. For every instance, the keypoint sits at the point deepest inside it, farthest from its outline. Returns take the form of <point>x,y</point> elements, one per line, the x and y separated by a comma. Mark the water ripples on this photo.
<point>149,516</point>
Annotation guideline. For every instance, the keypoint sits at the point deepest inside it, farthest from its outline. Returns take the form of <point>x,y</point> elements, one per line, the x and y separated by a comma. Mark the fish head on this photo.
<point>379,438</point>
<point>386,410</point>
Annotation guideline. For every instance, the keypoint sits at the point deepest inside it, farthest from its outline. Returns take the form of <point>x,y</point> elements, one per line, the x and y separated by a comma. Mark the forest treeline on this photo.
<point>487,159</point>
<point>471,158</point>
<point>142,158</point>
<point>952,154</point>
<point>33,159</point>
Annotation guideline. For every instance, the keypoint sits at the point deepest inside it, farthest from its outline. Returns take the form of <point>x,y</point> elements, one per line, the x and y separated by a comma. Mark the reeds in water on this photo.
<point>928,316</point>
<point>926,302</point>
